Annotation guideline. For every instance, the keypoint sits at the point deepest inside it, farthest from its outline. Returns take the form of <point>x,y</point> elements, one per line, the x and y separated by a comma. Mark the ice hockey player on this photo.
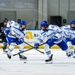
<point>2,35</point>
<point>15,34</point>
<point>69,34</point>
<point>51,35</point>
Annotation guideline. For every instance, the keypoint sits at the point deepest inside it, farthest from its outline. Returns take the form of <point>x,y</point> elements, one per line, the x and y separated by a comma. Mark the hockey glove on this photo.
<point>21,39</point>
<point>7,31</point>
<point>36,45</point>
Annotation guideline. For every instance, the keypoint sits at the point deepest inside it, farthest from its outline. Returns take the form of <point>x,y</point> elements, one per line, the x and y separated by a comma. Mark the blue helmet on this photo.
<point>44,23</point>
<point>73,22</point>
<point>22,22</point>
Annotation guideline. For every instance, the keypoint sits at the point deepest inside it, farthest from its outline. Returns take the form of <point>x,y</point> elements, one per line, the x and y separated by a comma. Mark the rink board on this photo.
<point>31,36</point>
<point>41,47</point>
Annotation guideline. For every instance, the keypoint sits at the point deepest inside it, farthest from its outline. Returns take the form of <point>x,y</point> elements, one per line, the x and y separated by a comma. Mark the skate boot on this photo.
<point>22,57</point>
<point>50,60</point>
<point>9,55</point>
<point>4,50</point>
<point>4,47</point>
<point>74,55</point>
<point>70,53</point>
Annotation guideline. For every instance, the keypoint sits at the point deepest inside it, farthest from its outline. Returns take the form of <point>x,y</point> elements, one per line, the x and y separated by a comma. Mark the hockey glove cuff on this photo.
<point>36,45</point>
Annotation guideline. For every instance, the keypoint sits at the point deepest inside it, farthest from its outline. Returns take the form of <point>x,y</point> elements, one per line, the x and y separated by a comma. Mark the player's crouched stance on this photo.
<point>69,35</point>
<point>15,34</point>
<point>42,39</point>
<point>51,35</point>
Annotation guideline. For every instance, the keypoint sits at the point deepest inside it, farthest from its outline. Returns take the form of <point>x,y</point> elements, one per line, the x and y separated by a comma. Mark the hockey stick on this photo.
<point>32,46</point>
<point>23,51</point>
<point>28,50</point>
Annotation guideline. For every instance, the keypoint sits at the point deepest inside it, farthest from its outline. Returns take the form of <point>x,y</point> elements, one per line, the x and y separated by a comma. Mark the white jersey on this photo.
<point>67,32</point>
<point>54,28</point>
<point>15,30</point>
<point>52,33</point>
<point>57,31</point>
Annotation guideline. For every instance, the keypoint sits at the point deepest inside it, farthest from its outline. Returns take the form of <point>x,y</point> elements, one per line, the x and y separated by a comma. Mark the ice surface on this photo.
<point>35,64</point>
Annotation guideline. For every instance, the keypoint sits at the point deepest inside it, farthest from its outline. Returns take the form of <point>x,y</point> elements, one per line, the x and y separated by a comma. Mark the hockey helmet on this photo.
<point>72,25</point>
<point>44,24</point>
<point>22,22</point>
<point>73,22</point>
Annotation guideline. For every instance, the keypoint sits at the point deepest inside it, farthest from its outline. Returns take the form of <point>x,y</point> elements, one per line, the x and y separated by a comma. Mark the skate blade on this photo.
<point>22,59</point>
<point>50,62</point>
<point>73,56</point>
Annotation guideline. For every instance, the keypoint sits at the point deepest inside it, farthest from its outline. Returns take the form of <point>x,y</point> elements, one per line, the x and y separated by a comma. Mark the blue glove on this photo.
<point>36,45</point>
<point>21,39</point>
<point>7,31</point>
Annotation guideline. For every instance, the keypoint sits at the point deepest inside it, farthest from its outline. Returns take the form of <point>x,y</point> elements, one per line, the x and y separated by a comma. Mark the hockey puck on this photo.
<point>24,62</point>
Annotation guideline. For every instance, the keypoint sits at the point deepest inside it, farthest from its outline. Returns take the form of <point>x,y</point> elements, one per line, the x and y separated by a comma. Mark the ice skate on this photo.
<point>9,55</point>
<point>50,60</point>
<point>4,47</point>
<point>22,57</point>
<point>69,54</point>
<point>74,55</point>
<point>4,50</point>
